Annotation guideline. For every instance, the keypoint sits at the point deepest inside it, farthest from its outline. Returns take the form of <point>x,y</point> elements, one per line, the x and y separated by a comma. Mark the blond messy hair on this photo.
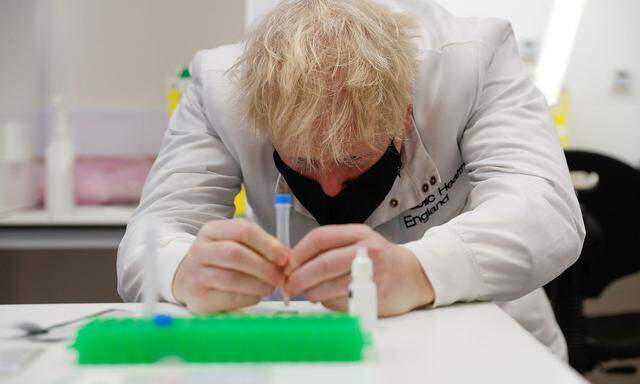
<point>319,75</point>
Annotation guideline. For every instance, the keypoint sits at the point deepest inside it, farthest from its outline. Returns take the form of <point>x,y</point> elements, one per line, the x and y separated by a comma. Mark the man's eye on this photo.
<point>353,161</point>
<point>303,166</point>
<point>301,161</point>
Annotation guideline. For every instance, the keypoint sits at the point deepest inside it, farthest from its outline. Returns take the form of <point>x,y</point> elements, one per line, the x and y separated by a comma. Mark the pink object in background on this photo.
<point>105,180</point>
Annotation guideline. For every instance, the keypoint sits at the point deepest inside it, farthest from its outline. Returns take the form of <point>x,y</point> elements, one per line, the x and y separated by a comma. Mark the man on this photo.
<point>395,126</point>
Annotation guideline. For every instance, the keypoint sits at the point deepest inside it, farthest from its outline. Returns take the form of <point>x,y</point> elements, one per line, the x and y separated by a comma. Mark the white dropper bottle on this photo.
<point>60,162</point>
<point>363,300</point>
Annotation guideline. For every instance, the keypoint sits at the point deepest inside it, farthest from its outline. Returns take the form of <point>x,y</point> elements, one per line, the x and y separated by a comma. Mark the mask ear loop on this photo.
<point>401,152</point>
<point>413,120</point>
<point>415,127</point>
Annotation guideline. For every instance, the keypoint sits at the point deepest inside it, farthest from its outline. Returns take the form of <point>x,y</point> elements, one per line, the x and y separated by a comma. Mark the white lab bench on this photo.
<point>469,343</point>
<point>82,228</point>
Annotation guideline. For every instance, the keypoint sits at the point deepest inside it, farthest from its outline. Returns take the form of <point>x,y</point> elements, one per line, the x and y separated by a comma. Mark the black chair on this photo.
<point>611,251</point>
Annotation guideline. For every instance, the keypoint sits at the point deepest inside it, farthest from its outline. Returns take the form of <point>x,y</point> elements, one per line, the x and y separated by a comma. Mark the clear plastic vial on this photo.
<point>283,207</point>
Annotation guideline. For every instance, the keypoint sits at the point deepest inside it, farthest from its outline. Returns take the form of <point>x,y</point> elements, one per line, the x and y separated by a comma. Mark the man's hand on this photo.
<point>320,268</point>
<point>231,264</point>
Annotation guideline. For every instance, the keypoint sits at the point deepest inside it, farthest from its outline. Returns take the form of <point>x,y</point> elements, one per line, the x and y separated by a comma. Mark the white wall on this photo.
<point>601,119</point>
<point>117,53</point>
<point>19,72</point>
<point>112,59</point>
<point>608,40</point>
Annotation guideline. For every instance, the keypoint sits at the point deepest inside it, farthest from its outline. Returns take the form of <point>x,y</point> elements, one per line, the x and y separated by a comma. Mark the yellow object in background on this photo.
<point>173,97</point>
<point>241,203</point>
<point>560,113</point>
<point>177,86</point>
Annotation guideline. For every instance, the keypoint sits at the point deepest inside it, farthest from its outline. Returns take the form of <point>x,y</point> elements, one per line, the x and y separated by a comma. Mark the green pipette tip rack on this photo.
<point>228,338</point>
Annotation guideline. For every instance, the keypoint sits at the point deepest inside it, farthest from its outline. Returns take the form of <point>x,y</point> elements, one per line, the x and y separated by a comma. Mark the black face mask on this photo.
<point>356,202</point>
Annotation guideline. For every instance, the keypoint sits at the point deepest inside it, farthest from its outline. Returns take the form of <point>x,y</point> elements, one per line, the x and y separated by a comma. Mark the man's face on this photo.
<point>333,175</point>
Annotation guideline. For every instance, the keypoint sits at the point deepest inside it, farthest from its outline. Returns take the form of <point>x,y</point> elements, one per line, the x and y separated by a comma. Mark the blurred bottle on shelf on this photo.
<point>18,184</point>
<point>60,162</point>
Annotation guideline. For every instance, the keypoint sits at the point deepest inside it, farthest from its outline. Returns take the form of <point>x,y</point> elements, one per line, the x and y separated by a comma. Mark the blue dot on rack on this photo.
<point>163,320</point>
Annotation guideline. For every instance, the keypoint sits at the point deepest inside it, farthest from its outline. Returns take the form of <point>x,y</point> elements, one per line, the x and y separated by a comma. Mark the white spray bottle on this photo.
<point>60,162</point>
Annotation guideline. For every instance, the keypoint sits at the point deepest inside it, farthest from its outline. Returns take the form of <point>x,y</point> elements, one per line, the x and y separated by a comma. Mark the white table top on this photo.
<point>472,343</point>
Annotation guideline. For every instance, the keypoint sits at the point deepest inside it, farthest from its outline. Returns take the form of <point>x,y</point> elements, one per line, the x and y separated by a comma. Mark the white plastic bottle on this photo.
<point>60,163</point>
<point>17,176</point>
<point>363,301</point>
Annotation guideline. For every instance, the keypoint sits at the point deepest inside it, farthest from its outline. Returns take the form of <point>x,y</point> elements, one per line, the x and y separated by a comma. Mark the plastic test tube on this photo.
<point>283,206</point>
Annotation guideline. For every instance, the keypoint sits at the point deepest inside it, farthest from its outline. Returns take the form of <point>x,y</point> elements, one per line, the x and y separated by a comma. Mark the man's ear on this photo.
<point>408,117</point>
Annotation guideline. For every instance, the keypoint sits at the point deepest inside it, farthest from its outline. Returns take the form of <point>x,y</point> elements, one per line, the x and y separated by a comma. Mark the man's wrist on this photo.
<point>169,259</point>
<point>421,285</point>
<point>177,294</point>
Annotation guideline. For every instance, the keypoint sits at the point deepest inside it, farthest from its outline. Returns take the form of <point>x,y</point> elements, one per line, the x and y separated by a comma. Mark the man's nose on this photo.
<point>332,183</point>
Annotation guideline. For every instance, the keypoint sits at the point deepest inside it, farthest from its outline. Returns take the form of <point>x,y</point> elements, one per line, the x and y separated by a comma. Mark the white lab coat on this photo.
<point>484,198</point>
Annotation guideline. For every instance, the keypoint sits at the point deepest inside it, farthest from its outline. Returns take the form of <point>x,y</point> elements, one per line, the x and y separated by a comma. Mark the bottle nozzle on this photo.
<point>361,267</point>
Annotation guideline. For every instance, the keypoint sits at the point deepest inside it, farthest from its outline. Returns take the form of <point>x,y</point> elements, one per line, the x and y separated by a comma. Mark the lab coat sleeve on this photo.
<point>521,226</point>
<point>193,180</point>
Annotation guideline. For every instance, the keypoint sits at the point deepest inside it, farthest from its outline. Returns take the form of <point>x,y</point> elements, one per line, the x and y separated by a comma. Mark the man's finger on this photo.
<point>325,238</point>
<point>329,290</point>
<point>232,281</point>
<point>324,267</point>
<point>340,304</point>
<point>218,301</point>
<point>237,257</point>
<point>249,234</point>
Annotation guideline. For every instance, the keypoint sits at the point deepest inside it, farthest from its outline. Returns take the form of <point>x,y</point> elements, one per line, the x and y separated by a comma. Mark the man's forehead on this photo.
<point>317,153</point>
